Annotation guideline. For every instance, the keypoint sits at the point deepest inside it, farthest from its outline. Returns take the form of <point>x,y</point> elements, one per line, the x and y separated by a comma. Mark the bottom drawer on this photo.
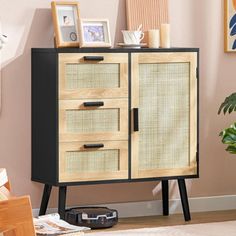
<point>93,161</point>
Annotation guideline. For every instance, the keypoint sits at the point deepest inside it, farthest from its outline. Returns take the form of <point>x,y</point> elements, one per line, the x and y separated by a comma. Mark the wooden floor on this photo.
<point>157,221</point>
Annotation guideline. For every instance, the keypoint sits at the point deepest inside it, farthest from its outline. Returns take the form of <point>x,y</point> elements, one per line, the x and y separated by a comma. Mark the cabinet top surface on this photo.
<point>112,50</point>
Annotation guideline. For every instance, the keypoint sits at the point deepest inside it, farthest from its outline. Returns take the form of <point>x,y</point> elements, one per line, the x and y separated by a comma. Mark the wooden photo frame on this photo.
<point>230,25</point>
<point>65,21</point>
<point>94,33</point>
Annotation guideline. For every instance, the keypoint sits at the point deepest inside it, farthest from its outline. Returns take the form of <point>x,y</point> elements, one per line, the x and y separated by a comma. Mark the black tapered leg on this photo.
<point>45,199</point>
<point>62,201</point>
<point>184,199</point>
<point>165,197</point>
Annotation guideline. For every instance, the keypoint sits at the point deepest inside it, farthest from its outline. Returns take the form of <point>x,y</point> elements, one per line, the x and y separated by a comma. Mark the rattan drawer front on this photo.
<point>80,163</point>
<point>79,122</point>
<point>165,144</point>
<point>80,78</point>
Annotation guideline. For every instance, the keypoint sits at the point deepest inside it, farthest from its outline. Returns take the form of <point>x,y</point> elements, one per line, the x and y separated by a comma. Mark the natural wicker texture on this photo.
<point>92,76</point>
<point>88,121</point>
<point>92,161</point>
<point>164,115</point>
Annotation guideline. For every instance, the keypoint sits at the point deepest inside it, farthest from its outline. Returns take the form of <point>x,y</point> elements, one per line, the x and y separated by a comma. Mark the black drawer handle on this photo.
<point>93,104</point>
<point>97,145</point>
<point>93,58</point>
<point>135,117</point>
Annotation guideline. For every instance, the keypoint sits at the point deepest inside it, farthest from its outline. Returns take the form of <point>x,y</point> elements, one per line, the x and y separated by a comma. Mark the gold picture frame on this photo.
<point>230,25</point>
<point>65,21</point>
<point>94,33</point>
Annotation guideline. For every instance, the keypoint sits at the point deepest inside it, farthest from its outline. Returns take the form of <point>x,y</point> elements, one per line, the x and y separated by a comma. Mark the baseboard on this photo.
<point>149,208</point>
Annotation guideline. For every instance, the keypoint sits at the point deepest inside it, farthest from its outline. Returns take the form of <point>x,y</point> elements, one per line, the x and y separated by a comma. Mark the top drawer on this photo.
<point>90,75</point>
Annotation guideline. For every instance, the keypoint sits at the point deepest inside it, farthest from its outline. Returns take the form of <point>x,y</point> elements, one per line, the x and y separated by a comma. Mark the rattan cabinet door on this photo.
<point>92,161</point>
<point>100,75</point>
<point>89,120</point>
<point>164,93</point>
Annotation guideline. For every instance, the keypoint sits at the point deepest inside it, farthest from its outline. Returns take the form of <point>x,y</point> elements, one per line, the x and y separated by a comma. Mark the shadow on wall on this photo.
<point>15,126</point>
<point>217,75</point>
<point>120,22</point>
<point>16,114</point>
<point>41,33</point>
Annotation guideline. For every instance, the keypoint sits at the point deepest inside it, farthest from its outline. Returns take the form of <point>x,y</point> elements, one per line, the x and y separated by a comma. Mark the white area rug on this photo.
<point>227,228</point>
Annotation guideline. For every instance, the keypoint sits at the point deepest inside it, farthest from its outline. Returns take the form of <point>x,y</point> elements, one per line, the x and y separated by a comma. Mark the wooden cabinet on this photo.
<point>113,115</point>
<point>90,161</point>
<point>93,116</point>
<point>164,92</point>
<point>86,75</point>
<point>90,120</point>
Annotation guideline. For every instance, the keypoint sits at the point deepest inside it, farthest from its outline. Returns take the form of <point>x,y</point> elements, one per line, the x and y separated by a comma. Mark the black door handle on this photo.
<point>93,104</point>
<point>135,119</point>
<point>96,145</point>
<point>93,58</point>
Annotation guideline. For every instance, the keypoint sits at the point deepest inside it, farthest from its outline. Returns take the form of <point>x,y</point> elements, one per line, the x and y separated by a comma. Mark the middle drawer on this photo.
<point>90,120</point>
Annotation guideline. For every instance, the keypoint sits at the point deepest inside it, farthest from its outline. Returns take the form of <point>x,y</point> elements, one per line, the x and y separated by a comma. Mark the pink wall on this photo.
<point>193,24</point>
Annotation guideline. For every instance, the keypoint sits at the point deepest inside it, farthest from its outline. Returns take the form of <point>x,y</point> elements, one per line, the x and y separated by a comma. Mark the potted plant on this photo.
<point>228,135</point>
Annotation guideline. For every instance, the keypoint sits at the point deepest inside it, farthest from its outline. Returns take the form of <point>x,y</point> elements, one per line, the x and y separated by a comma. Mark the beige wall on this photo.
<point>193,24</point>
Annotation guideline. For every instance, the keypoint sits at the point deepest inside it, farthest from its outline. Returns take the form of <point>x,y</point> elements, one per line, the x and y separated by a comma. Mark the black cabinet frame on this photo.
<point>45,127</point>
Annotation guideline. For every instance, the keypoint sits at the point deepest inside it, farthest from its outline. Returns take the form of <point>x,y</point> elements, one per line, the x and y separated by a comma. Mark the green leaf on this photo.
<point>229,139</point>
<point>229,135</point>
<point>229,104</point>
<point>231,108</point>
<point>226,108</point>
<point>233,126</point>
<point>221,107</point>
<point>231,149</point>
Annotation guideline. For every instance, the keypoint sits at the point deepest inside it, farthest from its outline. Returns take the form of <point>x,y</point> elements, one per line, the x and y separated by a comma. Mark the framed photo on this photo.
<point>230,25</point>
<point>94,33</point>
<point>65,20</point>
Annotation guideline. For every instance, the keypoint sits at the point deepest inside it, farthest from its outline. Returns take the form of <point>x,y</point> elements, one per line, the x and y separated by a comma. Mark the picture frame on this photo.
<point>230,25</point>
<point>65,17</point>
<point>94,33</point>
